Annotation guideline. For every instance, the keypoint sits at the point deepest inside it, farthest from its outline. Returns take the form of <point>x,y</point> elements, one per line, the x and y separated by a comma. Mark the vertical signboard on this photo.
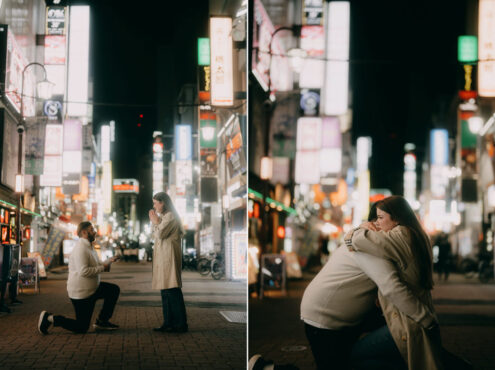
<point>52,166</point>
<point>183,142</point>
<point>72,157</point>
<point>331,147</point>
<point>56,20</point>
<point>78,64</point>
<point>12,63</point>
<point>312,12</point>
<point>486,48</point>
<point>222,84</point>
<point>157,163</point>
<point>107,187</point>
<point>335,95</point>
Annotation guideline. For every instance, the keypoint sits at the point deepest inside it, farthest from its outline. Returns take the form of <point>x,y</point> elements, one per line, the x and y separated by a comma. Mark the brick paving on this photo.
<point>211,343</point>
<point>466,310</point>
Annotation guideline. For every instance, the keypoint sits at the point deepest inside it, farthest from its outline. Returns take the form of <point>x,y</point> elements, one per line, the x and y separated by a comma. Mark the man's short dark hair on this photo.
<point>83,226</point>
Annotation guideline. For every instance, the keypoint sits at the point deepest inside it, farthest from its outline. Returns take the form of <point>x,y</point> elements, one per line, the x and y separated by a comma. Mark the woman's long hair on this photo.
<point>400,211</point>
<point>168,206</point>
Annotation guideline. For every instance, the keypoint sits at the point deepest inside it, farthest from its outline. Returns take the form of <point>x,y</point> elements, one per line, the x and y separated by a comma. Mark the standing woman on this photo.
<point>167,263</point>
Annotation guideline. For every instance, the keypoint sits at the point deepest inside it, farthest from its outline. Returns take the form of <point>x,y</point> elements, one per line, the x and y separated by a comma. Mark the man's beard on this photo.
<point>91,238</point>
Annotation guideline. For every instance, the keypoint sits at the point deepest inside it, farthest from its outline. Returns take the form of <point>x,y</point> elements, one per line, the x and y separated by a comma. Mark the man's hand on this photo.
<point>153,217</point>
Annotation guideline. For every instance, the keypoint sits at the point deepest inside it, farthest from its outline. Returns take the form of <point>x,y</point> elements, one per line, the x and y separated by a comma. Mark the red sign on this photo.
<point>126,187</point>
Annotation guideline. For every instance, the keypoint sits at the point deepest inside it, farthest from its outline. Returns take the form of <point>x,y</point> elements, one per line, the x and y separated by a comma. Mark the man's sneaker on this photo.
<point>43,323</point>
<point>104,325</point>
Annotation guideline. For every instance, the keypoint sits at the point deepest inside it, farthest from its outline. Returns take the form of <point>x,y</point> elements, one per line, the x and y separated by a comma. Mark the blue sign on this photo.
<point>183,142</point>
<point>439,147</point>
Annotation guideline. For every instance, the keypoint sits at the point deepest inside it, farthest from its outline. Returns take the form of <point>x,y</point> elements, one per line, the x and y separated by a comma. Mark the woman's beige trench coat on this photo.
<point>420,349</point>
<point>167,253</point>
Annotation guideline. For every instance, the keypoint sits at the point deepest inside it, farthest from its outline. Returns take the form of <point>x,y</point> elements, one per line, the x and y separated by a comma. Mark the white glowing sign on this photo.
<point>363,153</point>
<point>54,139</point>
<point>105,143</point>
<point>107,187</point>
<point>183,176</point>
<point>78,61</point>
<point>222,84</point>
<point>486,48</point>
<point>56,75</point>
<point>330,160</point>
<point>308,133</point>
<point>183,142</point>
<point>439,146</point>
<point>307,169</point>
<point>335,94</point>
<point>52,171</point>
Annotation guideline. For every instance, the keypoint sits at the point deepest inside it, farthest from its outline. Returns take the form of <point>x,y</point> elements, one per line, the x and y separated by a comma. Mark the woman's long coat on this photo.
<point>167,253</point>
<point>420,348</point>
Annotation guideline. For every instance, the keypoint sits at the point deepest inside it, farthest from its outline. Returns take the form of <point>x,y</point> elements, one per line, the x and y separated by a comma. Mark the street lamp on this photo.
<point>44,91</point>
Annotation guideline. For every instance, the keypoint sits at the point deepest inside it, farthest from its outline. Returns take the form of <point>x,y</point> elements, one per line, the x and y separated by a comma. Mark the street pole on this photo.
<point>20,131</point>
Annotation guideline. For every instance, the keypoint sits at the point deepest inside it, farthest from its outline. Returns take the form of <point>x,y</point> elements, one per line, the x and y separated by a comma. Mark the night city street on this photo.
<point>466,310</point>
<point>211,343</point>
<point>247,184</point>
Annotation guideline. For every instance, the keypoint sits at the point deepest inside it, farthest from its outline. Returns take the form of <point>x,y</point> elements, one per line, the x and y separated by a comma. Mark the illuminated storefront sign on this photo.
<point>239,255</point>
<point>307,174</point>
<point>72,135</point>
<point>78,61</point>
<point>308,133</point>
<point>222,84</point>
<point>280,75</point>
<point>204,51</point>
<point>313,12</point>
<point>56,20</point>
<point>12,66</point>
<point>439,146</point>
<point>486,46</point>
<point>183,176</point>
<point>363,148</point>
<point>336,89</point>
<point>157,162</point>
<point>55,49</point>
<point>126,186</point>
<point>56,75</point>
<point>105,143</point>
<point>52,164</point>
<point>107,187</point>
<point>467,49</point>
<point>183,142</point>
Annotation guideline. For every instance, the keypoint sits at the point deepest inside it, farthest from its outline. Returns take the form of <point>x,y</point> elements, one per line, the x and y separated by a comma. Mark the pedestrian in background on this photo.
<point>167,263</point>
<point>84,288</point>
<point>444,250</point>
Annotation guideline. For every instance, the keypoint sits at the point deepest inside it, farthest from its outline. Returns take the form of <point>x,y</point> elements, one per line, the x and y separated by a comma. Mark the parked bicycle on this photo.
<point>204,263</point>
<point>217,267</point>
<point>212,264</point>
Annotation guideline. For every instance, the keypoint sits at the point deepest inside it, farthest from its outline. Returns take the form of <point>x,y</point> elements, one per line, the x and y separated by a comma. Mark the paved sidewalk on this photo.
<point>211,343</point>
<point>466,310</point>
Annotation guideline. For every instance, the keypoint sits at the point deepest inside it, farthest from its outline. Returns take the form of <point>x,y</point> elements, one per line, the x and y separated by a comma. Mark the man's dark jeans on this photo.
<point>377,351</point>
<point>331,348</point>
<point>84,309</point>
<point>174,309</point>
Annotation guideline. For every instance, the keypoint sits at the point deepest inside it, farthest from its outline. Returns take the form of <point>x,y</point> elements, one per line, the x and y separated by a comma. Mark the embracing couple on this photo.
<point>370,307</point>
<point>84,287</point>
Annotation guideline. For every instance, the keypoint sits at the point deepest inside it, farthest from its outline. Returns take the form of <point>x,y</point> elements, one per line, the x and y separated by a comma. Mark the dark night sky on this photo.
<point>404,77</point>
<point>126,37</point>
